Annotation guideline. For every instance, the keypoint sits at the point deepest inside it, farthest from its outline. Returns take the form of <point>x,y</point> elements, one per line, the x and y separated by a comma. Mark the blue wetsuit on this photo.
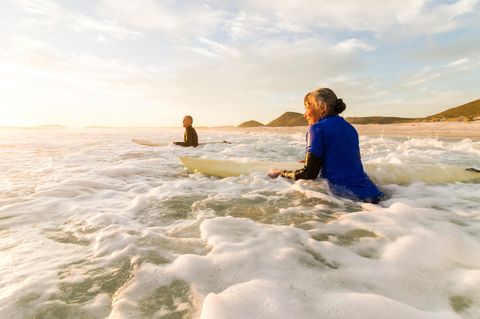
<point>333,150</point>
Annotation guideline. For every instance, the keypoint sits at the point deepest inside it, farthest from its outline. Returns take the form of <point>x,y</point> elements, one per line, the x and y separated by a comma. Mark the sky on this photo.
<point>150,62</point>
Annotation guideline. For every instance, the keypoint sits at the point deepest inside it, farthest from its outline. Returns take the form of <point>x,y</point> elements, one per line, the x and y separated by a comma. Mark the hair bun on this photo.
<point>340,106</point>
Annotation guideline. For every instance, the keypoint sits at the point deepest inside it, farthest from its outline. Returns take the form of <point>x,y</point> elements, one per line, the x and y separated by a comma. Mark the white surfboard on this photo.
<point>226,168</point>
<point>151,143</point>
<point>147,142</point>
<point>383,173</point>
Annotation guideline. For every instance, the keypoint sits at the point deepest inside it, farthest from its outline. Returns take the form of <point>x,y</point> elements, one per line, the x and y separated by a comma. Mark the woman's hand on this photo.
<point>274,173</point>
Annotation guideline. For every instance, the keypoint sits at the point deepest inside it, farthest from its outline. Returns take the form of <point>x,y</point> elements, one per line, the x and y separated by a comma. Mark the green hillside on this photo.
<point>289,119</point>
<point>297,119</point>
<point>251,123</point>
<point>465,112</point>
<point>380,120</point>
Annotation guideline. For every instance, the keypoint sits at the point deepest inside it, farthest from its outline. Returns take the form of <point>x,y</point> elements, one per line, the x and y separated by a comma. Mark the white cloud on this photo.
<point>255,17</point>
<point>264,80</point>
<point>458,62</point>
<point>352,45</point>
<point>45,63</point>
<point>47,13</point>
<point>44,8</point>
<point>198,51</point>
<point>89,89</point>
<point>260,57</point>
<point>424,103</point>
<point>83,23</point>
<point>382,17</point>
<point>243,25</point>
<point>26,44</point>
<point>219,48</point>
<point>173,19</point>
<point>429,73</point>
<point>143,14</point>
<point>439,18</point>
<point>34,53</point>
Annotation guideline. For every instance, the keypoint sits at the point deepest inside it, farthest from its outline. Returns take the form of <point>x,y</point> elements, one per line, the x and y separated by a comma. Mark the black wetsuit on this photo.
<point>190,138</point>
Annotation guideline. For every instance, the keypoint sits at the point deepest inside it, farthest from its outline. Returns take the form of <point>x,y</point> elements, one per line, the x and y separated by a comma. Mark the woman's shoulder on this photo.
<point>332,123</point>
<point>329,120</point>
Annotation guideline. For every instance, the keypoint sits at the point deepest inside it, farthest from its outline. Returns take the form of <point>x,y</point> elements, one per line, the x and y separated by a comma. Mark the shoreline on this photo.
<point>445,130</point>
<point>448,130</point>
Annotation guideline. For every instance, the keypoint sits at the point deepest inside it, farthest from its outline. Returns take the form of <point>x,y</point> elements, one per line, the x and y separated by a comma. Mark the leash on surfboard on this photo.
<point>151,143</point>
<point>472,169</point>
<point>219,142</point>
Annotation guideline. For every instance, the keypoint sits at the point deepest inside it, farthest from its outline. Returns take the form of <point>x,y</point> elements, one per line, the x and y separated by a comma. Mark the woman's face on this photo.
<point>312,115</point>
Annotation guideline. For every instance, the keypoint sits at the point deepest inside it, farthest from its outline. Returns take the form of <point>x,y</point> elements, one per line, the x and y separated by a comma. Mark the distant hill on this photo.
<point>289,119</point>
<point>251,123</point>
<point>465,112</point>
<point>297,119</point>
<point>380,120</point>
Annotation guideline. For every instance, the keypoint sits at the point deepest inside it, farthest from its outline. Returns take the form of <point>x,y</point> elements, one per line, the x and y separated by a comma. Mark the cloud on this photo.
<point>173,19</point>
<point>383,18</point>
<point>257,18</point>
<point>263,80</point>
<point>92,90</point>
<point>244,25</point>
<point>439,18</point>
<point>209,49</point>
<point>429,73</point>
<point>45,8</point>
<point>219,48</point>
<point>44,63</point>
<point>252,58</point>
<point>458,62</point>
<point>198,51</point>
<point>352,45</point>
<point>24,43</point>
<point>34,53</point>
<point>45,13</point>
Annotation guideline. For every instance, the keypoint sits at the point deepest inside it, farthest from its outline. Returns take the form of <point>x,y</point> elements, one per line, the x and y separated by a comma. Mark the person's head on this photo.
<point>187,121</point>
<point>321,103</point>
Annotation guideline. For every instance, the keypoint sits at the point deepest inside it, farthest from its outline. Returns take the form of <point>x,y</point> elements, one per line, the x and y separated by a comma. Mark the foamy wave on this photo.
<point>94,226</point>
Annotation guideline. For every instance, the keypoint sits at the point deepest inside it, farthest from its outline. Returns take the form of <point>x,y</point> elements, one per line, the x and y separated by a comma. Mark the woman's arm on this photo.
<point>311,169</point>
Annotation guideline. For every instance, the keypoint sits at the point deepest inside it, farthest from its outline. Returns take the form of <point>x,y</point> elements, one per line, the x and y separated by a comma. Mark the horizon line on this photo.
<point>59,126</point>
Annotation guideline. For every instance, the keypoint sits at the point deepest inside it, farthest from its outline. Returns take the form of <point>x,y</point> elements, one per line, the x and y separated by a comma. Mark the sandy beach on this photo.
<point>432,129</point>
<point>450,130</point>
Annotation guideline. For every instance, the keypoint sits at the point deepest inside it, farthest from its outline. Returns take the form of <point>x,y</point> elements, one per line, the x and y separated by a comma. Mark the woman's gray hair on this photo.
<point>334,105</point>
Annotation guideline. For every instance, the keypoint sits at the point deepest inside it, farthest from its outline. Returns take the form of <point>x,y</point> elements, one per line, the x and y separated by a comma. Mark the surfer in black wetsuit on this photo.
<point>190,137</point>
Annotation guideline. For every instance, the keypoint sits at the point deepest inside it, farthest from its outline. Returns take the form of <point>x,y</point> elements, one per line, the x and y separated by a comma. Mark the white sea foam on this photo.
<point>94,226</point>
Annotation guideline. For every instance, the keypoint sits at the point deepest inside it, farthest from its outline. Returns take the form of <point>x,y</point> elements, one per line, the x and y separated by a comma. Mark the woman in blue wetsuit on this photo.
<point>332,150</point>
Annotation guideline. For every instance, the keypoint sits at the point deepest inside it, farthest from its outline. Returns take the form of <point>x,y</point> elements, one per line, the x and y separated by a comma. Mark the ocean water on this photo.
<point>94,226</point>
